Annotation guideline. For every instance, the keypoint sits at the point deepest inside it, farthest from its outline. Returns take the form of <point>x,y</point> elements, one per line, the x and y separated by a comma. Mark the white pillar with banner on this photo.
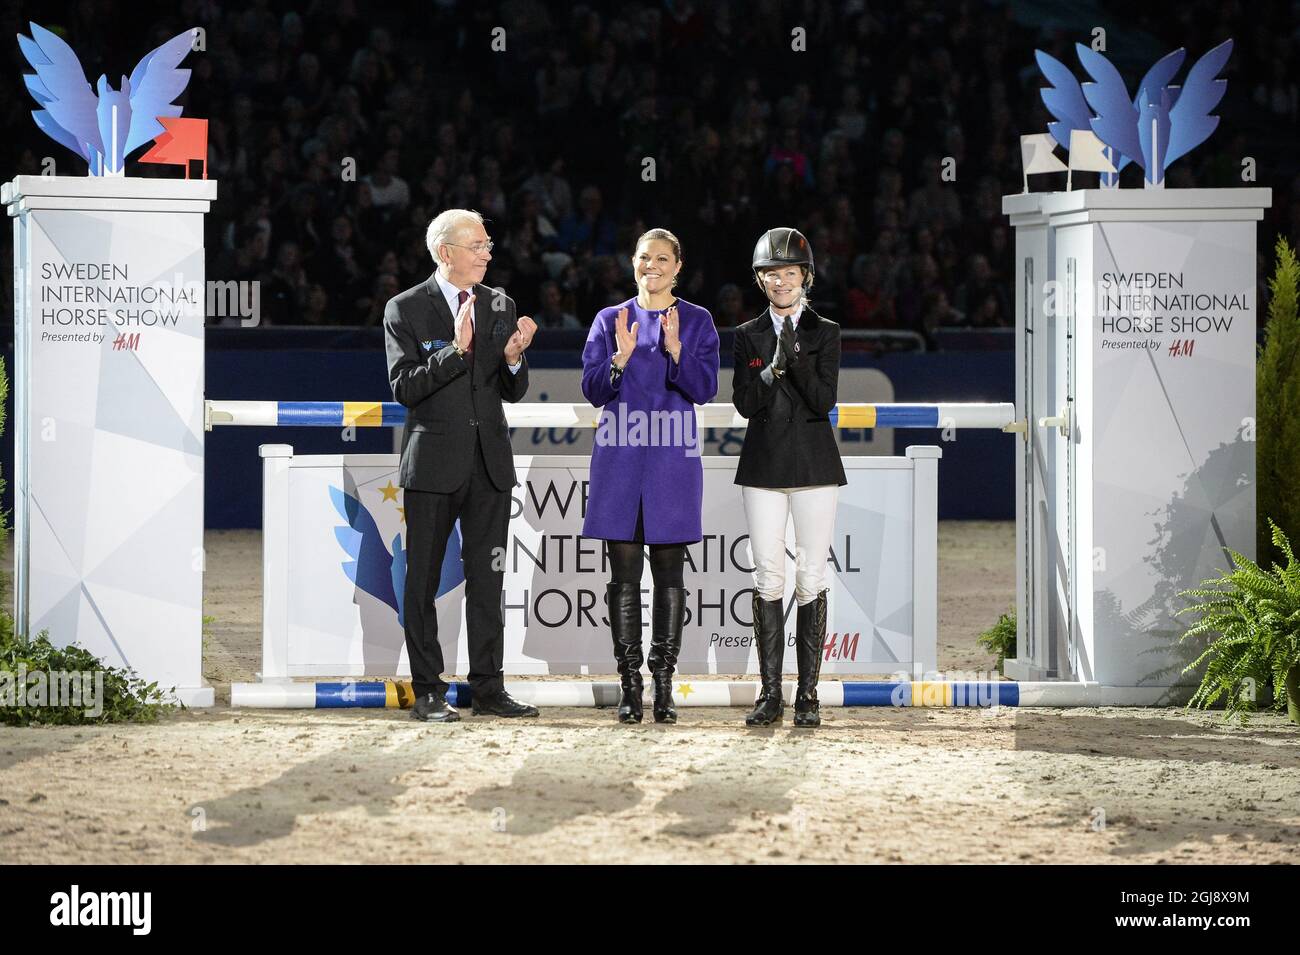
<point>108,425</point>
<point>1137,316</point>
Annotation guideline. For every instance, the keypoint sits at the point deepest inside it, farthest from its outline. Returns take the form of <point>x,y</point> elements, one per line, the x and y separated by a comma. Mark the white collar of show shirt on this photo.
<point>779,320</point>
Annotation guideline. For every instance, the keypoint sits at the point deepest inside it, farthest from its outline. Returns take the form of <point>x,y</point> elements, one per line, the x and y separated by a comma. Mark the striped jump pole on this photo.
<point>397,694</point>
<point>375,694</point>
<point>390,414</point>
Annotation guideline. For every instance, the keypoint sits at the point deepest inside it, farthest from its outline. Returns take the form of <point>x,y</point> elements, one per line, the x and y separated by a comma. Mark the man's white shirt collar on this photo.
<point>452,296</point>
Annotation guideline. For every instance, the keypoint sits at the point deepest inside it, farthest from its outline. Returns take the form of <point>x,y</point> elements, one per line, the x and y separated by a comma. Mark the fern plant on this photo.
<point>1256,615</point>
<point>1000,639</point>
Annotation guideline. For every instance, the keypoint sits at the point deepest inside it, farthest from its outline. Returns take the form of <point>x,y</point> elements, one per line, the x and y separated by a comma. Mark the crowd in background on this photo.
<point>338,129</point>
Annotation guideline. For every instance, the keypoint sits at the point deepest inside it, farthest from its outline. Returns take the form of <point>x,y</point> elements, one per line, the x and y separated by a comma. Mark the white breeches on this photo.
<point>767,510</point>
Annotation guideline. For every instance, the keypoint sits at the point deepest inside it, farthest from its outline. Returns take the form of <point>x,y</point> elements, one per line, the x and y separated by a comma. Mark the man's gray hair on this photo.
<point>442,227</point>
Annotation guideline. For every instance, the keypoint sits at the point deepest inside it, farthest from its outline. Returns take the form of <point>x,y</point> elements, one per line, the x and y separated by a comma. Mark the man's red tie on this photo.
<point>461,296</point>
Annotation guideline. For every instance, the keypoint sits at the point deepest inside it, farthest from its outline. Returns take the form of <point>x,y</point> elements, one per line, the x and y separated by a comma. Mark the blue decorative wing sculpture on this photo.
<point>1189,121</point>
<point>155,83</point>
<point>1160,124</point>
<point>102,125</point>
<point>1153,131</point>
<point>1115,117</point>
<point>1161,72</point>
<point>59,86</point>
<point>1152,104</point>
<point>1064,99</point>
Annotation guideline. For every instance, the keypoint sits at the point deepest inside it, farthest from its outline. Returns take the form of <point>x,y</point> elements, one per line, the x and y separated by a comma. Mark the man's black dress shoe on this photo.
<point>434,708</point>
<point>501,703</point>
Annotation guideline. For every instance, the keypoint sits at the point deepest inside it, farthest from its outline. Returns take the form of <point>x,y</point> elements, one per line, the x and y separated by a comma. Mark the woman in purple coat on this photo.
<point>647,363</point>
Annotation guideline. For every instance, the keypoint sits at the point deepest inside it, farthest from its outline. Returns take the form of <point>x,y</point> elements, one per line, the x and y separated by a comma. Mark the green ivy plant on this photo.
<point>1256,616</point>
<point>126,698</point>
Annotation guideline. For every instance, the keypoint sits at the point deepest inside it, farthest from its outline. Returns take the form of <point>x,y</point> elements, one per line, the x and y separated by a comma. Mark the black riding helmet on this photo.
<point>783,246</point>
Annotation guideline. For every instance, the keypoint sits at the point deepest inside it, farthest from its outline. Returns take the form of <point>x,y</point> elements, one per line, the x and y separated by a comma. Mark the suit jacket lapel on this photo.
<point>444,322</point>
<point>483,319</point>
<point>764,340</point>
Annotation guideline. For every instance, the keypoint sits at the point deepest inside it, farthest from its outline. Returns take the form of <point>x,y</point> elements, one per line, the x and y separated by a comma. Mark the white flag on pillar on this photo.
<point>1036,156</point>
<point>1086,153</point>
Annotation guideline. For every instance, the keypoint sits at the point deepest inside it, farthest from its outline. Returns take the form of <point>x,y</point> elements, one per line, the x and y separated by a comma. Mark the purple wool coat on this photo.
<point>656,465</point>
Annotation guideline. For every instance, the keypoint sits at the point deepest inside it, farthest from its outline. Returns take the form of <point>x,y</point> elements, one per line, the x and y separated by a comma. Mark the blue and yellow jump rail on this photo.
<point>397,694</point>
<point>390,414</point>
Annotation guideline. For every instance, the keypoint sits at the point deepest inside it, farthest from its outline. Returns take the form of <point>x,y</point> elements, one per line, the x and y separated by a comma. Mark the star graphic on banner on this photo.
<point>402,511</point>
<point>685,689</point>
<point>390,492</point>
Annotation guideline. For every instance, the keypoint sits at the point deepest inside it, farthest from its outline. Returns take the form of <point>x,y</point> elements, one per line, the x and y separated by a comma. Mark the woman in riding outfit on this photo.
<point>654,356</point>
<point>785,382</point>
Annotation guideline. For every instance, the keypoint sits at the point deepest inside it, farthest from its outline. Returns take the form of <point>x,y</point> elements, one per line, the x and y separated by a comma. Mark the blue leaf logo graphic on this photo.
<point>453,571</point>
<point>373,567</point>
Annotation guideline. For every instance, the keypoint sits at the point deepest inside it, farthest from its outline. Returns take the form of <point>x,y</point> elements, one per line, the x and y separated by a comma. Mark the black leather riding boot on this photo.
<point>810,638</point>
<point>769,635</point>
<point>625,625</point>
<point>667,616</point>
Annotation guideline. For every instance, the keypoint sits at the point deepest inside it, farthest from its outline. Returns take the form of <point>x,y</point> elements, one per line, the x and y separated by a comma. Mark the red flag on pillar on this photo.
<point>180,141</point>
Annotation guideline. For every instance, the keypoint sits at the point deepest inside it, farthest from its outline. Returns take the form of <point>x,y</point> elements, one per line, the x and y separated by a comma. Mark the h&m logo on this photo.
<point>841,649</point>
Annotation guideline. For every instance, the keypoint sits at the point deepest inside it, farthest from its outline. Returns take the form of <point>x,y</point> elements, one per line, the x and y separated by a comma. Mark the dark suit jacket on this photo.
<point>789,441</point>
<point>448,397</point>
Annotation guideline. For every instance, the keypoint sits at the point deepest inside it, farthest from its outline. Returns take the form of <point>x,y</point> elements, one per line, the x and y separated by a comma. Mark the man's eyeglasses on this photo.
<point>478,248</point>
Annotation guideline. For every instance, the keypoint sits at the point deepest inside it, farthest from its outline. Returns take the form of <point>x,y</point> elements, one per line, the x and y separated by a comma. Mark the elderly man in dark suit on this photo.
<point>455,350</point>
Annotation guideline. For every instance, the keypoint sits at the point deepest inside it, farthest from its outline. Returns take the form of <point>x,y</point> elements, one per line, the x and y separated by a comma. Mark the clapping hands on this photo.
<point>672,332</point>
<point>626,338</point>
<point>789,344</point>
<point>465,324</point>
<point>525,329</point>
